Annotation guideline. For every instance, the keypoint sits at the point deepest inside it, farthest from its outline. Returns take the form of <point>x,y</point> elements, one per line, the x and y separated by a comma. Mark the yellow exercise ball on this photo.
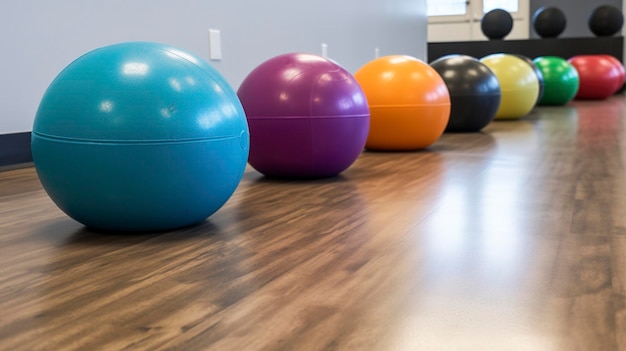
<point>518,82</point>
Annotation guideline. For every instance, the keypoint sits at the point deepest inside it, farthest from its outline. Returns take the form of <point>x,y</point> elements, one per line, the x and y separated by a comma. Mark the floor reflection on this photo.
<point>510,239</point>
<point>482,274</point>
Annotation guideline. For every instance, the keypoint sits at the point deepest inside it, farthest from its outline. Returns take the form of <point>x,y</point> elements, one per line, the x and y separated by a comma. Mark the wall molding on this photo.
<point>15,149</point>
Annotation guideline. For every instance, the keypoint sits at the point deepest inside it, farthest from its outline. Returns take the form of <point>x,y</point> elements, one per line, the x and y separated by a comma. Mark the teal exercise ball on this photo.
<point>139,136</point>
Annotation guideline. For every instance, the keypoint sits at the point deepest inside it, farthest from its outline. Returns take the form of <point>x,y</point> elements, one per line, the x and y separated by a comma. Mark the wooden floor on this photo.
<point>512,239</point>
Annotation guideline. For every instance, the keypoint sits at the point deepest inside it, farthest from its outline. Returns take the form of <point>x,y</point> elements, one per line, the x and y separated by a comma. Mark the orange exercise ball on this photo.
<point>409,103</point>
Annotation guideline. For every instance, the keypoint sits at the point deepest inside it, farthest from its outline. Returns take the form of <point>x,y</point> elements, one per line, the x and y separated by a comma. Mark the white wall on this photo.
<point>41,37</point>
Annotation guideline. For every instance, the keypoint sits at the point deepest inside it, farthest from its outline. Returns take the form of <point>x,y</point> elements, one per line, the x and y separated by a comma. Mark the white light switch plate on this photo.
<point>215,45</point>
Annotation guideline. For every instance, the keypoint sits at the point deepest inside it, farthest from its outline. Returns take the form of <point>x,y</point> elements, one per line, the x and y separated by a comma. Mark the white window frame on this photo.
<point>474,13</point>
<point>478,9</point>
<point>453,18</point>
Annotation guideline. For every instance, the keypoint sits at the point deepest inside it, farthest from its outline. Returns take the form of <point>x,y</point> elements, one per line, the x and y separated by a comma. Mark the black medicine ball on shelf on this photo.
<point>496,24</point>
<point>549,22</point>
<point>605,21</point>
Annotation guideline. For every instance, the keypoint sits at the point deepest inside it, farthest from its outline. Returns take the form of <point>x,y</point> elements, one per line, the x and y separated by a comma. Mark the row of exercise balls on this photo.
<point>147,137</point>
<point>509,86</point>
<point>581,77</point>
<point>550,21</point>
<point>455,93</point>
<point>498,86</point>
<point>329,116</point>
<point>161,140</point>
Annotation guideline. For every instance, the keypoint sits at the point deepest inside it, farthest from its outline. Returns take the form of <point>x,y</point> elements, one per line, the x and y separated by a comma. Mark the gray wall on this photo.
<point>577,13</point>
<point>41,37</point>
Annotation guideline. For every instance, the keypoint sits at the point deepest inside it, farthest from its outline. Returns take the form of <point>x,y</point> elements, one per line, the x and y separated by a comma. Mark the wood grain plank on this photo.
<point>510,239</point>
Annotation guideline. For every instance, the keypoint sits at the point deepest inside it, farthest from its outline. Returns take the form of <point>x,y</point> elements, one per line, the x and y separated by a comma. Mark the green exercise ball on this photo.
<point>560,78</point>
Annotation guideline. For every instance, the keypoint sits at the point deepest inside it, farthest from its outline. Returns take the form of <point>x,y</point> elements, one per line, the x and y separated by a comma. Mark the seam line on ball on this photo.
<point>131,142</point>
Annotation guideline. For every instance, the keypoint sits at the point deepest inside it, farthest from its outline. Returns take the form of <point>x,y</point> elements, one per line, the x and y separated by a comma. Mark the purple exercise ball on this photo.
<point>308,117</point>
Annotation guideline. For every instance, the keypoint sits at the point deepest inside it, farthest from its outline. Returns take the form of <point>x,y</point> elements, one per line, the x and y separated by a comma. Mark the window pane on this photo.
<point>446,7</point>
<point>508,5</point>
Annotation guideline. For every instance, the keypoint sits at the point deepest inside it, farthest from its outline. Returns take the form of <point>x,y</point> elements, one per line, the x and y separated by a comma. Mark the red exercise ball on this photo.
<point>599,76</point>
<point>620,67</point>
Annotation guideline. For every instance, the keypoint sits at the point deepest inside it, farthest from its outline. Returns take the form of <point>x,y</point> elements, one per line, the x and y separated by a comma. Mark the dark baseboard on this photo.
<point>15,149</point>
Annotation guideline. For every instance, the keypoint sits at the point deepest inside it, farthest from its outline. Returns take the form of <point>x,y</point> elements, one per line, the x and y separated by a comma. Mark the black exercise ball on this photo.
<point>538,73</point>
<point>474,92</point>
<point>496,24</point>
<point>606,20</point>
<point>549,22</point>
